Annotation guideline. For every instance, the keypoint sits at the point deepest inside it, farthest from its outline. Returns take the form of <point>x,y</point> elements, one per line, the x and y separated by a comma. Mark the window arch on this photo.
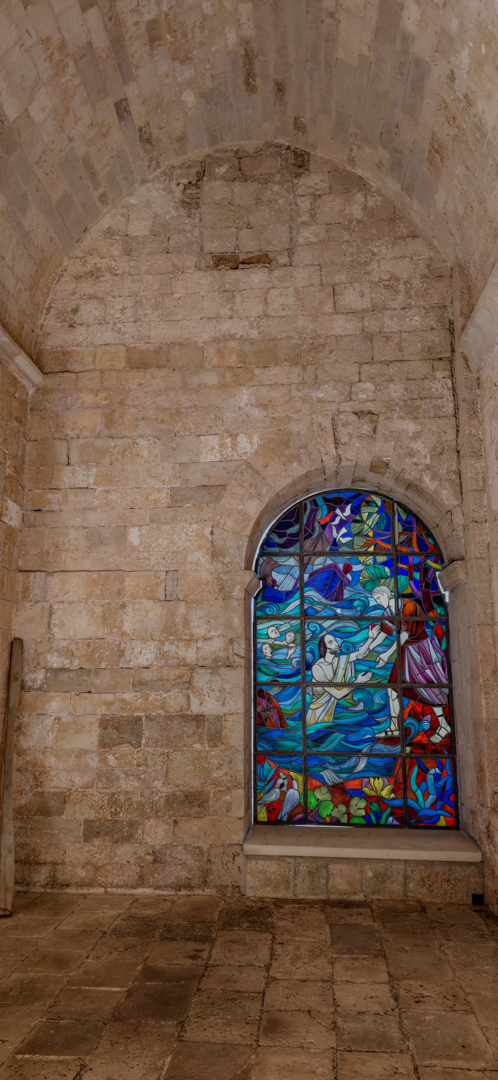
<point>353,720</point>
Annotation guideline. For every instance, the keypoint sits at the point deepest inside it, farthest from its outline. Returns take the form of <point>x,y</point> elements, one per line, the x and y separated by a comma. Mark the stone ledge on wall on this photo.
<point>18,362</point>
<point>453,575</point>
<point>443,845</point>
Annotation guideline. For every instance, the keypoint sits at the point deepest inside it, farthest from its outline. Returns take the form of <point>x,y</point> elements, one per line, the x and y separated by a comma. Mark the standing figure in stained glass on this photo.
<point>422,659</point>
<point>334,666</point>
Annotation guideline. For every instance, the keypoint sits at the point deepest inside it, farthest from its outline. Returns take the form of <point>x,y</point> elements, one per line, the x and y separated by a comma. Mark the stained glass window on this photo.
<point>353,721</point>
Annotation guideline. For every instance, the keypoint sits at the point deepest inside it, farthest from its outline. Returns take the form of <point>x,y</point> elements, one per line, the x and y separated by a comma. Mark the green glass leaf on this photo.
<point>326,808</point>
<point>312,800</point>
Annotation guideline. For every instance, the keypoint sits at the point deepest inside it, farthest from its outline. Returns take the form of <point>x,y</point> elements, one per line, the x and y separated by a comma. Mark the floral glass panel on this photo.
<point>353,720</point>
<point>431,791</point>
<point>355,791</point>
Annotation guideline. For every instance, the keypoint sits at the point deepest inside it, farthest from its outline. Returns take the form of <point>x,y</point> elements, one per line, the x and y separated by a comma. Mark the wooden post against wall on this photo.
<point>7,865</point>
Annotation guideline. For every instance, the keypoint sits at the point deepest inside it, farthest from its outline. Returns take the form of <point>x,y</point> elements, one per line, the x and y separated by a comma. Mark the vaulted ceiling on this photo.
<point>96,96</point>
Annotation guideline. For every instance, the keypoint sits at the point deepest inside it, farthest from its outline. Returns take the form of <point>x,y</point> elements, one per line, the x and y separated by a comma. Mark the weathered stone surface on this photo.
<point>259,323</point>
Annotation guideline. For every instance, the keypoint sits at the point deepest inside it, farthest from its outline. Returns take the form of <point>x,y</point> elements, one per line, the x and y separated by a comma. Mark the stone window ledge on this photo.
<point>442,845</point>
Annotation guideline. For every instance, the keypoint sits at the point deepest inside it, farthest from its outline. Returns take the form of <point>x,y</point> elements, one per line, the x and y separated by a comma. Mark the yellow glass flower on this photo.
<point>377,788</point>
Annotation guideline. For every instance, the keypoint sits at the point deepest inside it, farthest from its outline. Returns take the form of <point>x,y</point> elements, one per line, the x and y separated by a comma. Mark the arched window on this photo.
<point>352,698</point>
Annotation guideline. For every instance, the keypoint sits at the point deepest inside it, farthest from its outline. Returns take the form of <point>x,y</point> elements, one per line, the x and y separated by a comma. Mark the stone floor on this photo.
<point>196,988</point>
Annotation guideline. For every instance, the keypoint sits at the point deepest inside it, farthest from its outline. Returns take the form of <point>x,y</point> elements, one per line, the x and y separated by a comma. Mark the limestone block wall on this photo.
<point>241,330</point>
<point>98,95</point>
<point>14,396</point>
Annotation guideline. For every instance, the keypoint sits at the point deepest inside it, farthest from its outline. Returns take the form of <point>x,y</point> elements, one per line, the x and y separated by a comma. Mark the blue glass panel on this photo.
<point>279,594</point>
<point>431,791</point>
<point>355,790</point>
<point>285,534</point>
<point>427,720</point>
<point>346,586</point>
<point>351,656</point>
<point>357,720</point>
<point>278,646</point>
<point>349,650</point>
<point>279,719</point>
<point>349,520</point>
<point>279,789</point>
<point>413,535</point>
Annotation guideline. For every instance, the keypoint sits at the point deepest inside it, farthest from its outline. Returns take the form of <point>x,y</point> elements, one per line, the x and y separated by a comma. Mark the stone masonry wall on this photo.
<point>13,417</point>
<point>98,95</point>
<point>241,330</point>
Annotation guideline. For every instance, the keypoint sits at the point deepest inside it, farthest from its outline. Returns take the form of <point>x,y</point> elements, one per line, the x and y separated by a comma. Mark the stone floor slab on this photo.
<point>241,947</point>
<point>226,1003</point>
<point>15,1023</point>
<point>21,927</point>
<point>105,902</point>
<point>456,1074</point>
<point>179,952</point>
<point>360,969</point>
<point>174,987</point>
<point>83,1003</point>
<point>295,995</point>
<point>56,905</point>
<point>202,1029</point>
<point>107,974</point>
<point>302,921</point>
<point>362,997</point>
<point>133,1050</point>
<point>300,959</point>
<point>228,977</point>
<point>341,913</point>
<point>414,961</point>
<point>211,1061</point>
<point>369,1032</point>
<point>41,1069</point>
<point>62,1038</point>
<point>156,1001</point>
<point>74,939</point>
<point>170,974</point>
<point>30,989</point>
<point>304,1029</point>
<point>416,994</point>
<point>247,914</point>
<point>359,1066</point>
<point>452,1040</point>
<point>195,908</point>
<point>354,940</point>
<point>279,1064</point>
<point>43,961</point>
<point>107,948</point>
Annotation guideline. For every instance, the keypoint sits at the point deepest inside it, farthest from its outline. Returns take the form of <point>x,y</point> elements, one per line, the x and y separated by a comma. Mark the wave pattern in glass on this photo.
<point>353,707</point>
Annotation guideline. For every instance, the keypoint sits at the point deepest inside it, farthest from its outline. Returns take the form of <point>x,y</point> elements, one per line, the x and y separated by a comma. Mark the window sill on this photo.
<point>442,845</point>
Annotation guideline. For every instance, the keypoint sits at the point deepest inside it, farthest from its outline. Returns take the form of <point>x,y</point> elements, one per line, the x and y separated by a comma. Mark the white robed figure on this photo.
<point>335,667</point>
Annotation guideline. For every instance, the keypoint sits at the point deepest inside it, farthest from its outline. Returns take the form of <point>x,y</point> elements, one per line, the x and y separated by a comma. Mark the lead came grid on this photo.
<point>422,773</point>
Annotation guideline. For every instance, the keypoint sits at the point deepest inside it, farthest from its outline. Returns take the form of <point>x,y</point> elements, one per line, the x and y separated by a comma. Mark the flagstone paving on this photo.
<point>114,987</point>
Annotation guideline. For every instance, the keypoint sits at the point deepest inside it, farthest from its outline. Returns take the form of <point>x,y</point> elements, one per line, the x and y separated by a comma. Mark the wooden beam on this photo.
<point>7,864</point>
